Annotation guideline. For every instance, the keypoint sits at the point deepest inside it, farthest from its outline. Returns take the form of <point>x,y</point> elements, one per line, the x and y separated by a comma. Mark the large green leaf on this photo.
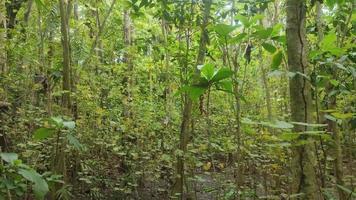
<point>238,38</point>
<point>43,133</point>
<point>276,60</point>
<point>225,85</point>
<point>244,20</point>
<point>194,92</point>
<point>223,30</point>
<point>269,47</point>
<point>208,71</point>
<point>221,74</point>
<point>9,157</point>
<point>263,33</point>
<point>40,186</point>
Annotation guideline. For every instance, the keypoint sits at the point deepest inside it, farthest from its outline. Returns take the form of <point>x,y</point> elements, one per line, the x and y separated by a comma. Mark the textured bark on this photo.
<point>332,128</point>
<point>3,39</point>
<point>128,62</point>
<point>304,179</point>
<point>188,105</point>
<point>63,7</point>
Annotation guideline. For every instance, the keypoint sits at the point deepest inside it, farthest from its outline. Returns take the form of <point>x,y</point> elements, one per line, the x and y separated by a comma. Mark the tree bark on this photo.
<point>304,179</point>
<point>128,62</point>
<point>3,39</point>
<point>66,103</point>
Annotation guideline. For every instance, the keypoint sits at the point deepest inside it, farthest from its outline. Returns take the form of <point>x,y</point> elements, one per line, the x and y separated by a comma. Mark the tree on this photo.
<point>188,104</point>
<point>304,179</point>
<point>64,8</point>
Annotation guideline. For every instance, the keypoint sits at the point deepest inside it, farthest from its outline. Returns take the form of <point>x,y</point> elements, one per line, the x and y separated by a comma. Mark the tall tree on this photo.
<point>63,8</point>
<point>188,104</point>
<point>304,179</point>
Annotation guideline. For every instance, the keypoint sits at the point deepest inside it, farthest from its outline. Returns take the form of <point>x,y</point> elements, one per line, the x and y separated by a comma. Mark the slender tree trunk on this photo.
<point>128,62</point>
<point>188,105</point>
<point>66,103</point>
<point>338,163</point>
<point>266,87</point>
<point>304,179</point>
<point>3,38</point>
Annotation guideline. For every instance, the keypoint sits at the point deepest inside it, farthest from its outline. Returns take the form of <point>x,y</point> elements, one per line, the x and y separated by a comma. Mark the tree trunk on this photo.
<point>3,39</point>
<point>188,105</point>
<point>63,7</point>
<point>128,63</point>
<point>304,179</point>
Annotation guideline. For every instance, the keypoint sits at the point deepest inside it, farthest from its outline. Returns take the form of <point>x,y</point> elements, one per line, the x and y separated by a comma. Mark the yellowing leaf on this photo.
<point>207,166</point>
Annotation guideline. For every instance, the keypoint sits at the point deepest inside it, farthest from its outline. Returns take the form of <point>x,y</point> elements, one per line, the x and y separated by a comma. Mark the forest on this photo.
<point>177,99</point>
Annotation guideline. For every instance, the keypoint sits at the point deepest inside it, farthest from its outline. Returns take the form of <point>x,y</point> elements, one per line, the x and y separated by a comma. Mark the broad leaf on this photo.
<point>221,74</point>
<point>263,33</point>
<point>225,85</point>
<point>195,92</point>
<point>208,71</point>
<point>9,157</point>
<point>40,186</point>
<point>43,133</point>
<point>276,60</point>
<point>269,47</point>
<point>223,30</point>
<point>238,38</point>
<point>244,20</point>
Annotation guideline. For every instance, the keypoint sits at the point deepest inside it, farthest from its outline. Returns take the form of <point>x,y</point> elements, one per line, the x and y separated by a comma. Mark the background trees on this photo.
<point>177,99</point>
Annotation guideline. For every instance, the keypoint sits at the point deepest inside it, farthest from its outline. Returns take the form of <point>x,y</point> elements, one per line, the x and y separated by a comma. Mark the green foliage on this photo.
<point>12,182</point>
<point>276,60</point>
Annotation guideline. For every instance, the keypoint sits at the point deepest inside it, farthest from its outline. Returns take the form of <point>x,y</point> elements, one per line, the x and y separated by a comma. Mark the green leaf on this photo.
<point>347,190</point>
<point>269,47</point>
<point>43,133</point>
<point>225,85</point>
<point>224,30</point>
<point>330,3</point>
<point>40,186</point>
<point>263,33</point>
<point>57,121</point>
<point>195,92</point>
<point>207,71</point>
<point>256,18</point>
<point>238,38</point>
<point>342,115</point>
<point>69,124</point>
<point>244,20</point>
<point>9,157</point>
<point>75,142</point>
<point>282,39</point>
<point>221,74</point>
<point>331,118</point>
<point>276,60</point>
<point>329,42</point>
<point>40,4</point>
